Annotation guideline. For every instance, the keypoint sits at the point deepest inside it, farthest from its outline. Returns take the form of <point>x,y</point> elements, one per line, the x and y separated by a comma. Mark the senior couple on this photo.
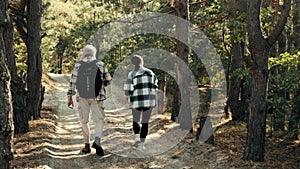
<point>89,78</point>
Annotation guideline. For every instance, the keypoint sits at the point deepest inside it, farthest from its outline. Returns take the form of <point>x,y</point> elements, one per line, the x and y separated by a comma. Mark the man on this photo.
<point>140,88</point>
<point>89,77</point>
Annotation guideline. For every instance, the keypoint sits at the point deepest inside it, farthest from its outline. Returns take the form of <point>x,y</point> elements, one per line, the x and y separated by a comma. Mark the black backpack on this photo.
<point>89,79</point>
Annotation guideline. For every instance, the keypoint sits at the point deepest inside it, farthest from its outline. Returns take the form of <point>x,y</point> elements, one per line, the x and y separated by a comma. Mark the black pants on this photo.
<point>146,113</point>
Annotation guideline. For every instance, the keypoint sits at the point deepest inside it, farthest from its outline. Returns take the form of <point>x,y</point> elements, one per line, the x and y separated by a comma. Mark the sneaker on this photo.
<point>99,150</point>
<point>141,146</point>
<point>86,149</point>
<point>136,137</point>
<point>136,144</point>
<point>137,140</point>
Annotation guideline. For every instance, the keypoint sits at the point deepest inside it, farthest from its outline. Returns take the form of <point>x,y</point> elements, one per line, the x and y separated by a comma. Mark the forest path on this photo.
<point>165,146</point>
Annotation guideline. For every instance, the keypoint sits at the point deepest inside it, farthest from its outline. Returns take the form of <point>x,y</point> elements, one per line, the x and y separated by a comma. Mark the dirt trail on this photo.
<point>167,147</point>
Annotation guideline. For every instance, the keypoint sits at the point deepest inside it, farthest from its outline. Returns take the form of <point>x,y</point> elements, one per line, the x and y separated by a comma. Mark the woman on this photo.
<point>140,88</point>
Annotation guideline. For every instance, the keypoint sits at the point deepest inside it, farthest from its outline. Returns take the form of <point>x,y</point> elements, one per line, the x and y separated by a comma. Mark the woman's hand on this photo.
<point>126,98</point>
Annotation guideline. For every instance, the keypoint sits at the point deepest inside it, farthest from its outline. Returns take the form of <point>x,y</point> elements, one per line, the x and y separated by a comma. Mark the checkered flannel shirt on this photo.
<point>141,86</point>
<point>103,69</point>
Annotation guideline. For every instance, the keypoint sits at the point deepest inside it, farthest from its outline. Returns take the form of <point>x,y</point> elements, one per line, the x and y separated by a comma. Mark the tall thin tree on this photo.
<point>259,47</point>
<point>238,105</point>
<point>182,29</point>
<point>6,115</point>
<point>17,84</point>
<point>34,59</point>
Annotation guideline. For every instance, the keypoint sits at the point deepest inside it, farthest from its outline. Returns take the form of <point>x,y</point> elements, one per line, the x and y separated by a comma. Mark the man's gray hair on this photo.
<point>89,50</point>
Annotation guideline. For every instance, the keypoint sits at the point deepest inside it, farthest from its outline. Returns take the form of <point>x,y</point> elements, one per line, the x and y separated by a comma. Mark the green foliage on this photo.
<point>137,43</point>
<point>289,77</point>
<point>267,16</point>
<point>211,18</point>
<point>58,19</point>
<point>238,28</point>
<point>21,55</point>
<point>69,24</point>
<point>241,74</point>
<point>283,83</point>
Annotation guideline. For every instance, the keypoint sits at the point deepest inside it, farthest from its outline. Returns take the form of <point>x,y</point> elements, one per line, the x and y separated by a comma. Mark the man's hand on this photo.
<point>70,102</point>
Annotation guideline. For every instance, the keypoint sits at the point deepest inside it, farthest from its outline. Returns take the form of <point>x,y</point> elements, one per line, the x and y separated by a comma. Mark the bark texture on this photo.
<point>34,58</point>
<point>182,29</point>
<point>17,83</point>
<point>6,115</point>
<point>259,47</point>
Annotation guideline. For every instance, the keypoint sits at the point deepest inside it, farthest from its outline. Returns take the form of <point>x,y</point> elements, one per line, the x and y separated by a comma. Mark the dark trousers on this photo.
<point>146,113</point>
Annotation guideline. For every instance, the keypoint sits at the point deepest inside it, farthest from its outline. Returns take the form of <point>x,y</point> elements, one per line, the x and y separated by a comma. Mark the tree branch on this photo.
<point>218,18</point>
<point>20,29</point>
<point>17,12</point>
<point>272,38</point>
<point>21,26</point>
<point>253,22</point>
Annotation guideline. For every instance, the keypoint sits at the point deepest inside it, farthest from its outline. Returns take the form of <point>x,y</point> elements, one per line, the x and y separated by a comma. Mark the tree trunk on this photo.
<point>245,98</point>
<point>161,95</point>
<point>34,59</point>
<point>173,88</point>
<point>6,114</point>
<point>255,144</point>
<point>295,116</point>
<point>236,106</point>
<point>259,48</point>
<point>185,116</point>
<point>235,83</point>
<point>17,85</point>
<point>20,23</point>
<point>282,43</point>
<point>208,127</point>
<point>279,116</point>
<point>278,112</point>
<point>60,49</point>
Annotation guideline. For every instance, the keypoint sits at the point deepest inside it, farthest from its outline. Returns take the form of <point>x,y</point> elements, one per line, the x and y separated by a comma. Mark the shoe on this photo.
<point>86,149</point>
<point>141,146</point>
<point>99,150</point>
<point>137,140</point>
<point>136,144</point>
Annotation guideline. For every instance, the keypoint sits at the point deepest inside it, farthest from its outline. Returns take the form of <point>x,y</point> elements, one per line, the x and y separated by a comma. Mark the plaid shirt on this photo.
<point>103,69</point>
<point>140,86</point>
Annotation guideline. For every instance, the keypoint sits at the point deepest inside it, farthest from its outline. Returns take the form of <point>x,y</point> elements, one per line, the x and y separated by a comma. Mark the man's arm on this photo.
<point>106,76</point>
<point>72,85</point>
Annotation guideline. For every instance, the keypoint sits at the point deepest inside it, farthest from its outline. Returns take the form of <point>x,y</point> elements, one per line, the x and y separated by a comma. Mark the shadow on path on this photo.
<point>64,151</point>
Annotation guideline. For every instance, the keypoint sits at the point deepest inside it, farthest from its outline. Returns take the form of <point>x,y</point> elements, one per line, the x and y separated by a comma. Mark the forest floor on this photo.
<point>54,141</point>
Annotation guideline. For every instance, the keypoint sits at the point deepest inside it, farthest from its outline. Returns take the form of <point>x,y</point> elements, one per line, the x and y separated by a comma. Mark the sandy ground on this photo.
<point>54,141</point>
<point>166,145</point>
